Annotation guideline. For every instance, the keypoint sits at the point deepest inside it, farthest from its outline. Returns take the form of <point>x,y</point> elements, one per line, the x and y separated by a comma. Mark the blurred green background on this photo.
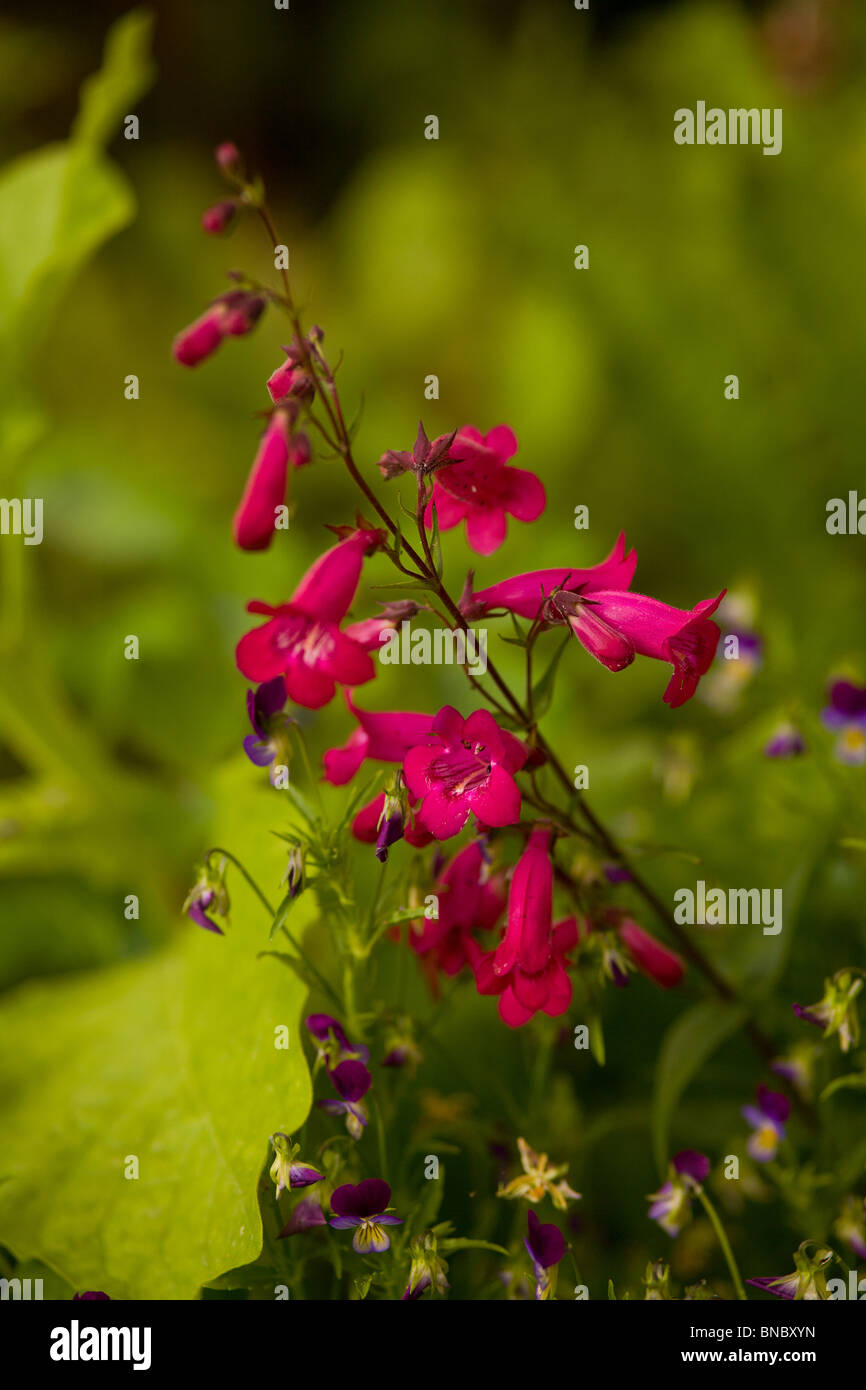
<point>452,257</point>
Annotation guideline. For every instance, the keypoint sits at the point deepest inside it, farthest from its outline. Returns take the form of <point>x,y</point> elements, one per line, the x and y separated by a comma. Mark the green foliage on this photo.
<point>170,1060</point>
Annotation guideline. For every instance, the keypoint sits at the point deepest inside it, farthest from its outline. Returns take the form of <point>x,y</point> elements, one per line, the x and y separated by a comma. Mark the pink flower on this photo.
<point>290,380</point>
<point>302,641</point>
<point>384,736</point>
<point>231,315</point>
<point>468,899</point>
<point>464,766</point>
<point>528,968</point>
<point>652,958</point>
<point>265,492</point>
<point>219,218</point>
<point>480,489</point>
<point>228,157</point>
<point>526,594</point>
<point>614,626</point>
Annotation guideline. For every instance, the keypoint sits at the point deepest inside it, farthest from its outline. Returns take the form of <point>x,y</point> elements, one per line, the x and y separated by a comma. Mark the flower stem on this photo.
<point>233,859</point>
<point>724,1243</point>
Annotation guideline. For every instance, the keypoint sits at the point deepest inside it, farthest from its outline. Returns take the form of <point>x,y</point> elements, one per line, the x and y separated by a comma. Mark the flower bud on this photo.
<point>242,311</point>
<point>219,218</point>
<point>300,451</point>
<point>200,339</point>
<point>228,158</point>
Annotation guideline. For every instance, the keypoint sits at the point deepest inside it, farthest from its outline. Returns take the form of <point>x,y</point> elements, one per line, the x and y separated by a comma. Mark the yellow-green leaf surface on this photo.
<point>170,1060</point>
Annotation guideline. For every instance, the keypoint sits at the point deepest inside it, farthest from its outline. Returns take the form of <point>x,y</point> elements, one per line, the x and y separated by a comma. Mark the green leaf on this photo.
<point>542,691</point>
<point>127,72</point>
<point>170,1060</point>
<point>459,1243</point>
<point>596,1039</point>
<point>688,1043</point>
<point>57,206</point>
<point>281,915</point>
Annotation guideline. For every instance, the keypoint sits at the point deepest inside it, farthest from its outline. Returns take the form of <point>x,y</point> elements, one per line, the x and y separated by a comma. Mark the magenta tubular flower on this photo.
<point>381,735</point>
<point>482,490</point>
<point>546,1247</point>
<point>526,594</point>
<point>242,312</point>
<point>200,339</point>
<point>300,451</point>
<point>231,315</point>
<point>364,1205</point>
<point>671,1205</point>
<point>652,959</point>
<point>228,158</point>
<point>468,900</point>
<point>846,714</point>
<point>265,492</point>
<point>767,1119</point>
<point>333,1046</point>
<point>528,968</point>
<point>352,1081</point>
<point>466,766</point>
<point>615,626</point>
<point>220,217</point>
<point>302,641</point>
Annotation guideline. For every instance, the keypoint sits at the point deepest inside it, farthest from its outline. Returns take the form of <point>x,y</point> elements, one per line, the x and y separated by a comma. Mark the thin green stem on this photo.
<point>233,859</point>
<point>722,1238</point>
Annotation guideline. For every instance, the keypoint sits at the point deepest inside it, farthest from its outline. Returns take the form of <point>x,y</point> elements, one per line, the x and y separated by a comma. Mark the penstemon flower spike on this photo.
<point>615,620</point>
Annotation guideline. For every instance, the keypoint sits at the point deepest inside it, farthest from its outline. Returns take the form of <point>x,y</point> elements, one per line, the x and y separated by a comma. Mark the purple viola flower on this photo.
<point>767,1119</point>
<point>333,1045</point>
<point>546,1247</point>
<point>808,1280</point>
<point>836,1012</point>
<point>92,1294</point>
<point>267,744</point>
<point>786,742</point>
<point>364,1205</point>
<point>846,715</point>
<point>307,1214</point>
<point>615,873</point>
<point>428,1269</point>
<point>672,1204</point>
<point>208,898</point>
<point>352,1081</point>
<point>797,1067</point>
<point>286,1170</point>
<point>293,878</point>
<point>391,823</point>
<point>851,1225</point>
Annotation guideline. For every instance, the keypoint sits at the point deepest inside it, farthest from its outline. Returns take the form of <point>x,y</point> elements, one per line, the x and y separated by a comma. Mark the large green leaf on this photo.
<point>171,1059</point>
<point>58,204</point>
<point>688,1043</point>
